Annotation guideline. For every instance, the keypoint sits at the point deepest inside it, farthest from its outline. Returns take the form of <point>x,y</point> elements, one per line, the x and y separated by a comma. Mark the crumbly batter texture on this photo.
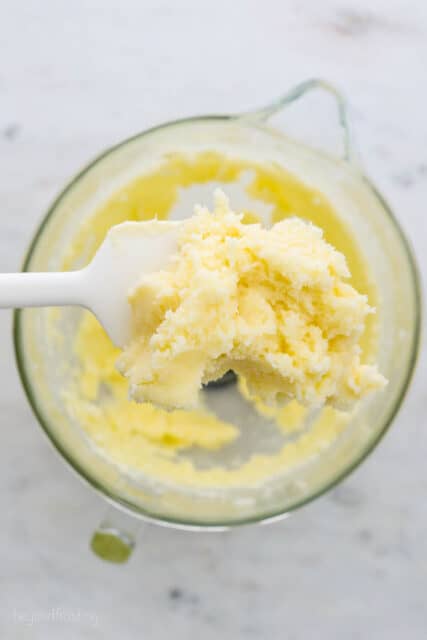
<point>274,305</point>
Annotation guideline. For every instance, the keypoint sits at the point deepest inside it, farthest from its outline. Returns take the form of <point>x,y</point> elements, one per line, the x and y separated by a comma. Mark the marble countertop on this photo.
<point>78,76</point>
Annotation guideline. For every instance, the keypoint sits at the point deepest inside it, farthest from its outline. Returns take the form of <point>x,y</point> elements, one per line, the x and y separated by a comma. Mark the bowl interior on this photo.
<point>44,338</point>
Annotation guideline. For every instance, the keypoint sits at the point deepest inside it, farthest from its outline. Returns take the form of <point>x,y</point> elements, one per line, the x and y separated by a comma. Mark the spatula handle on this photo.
<point>41,289</point>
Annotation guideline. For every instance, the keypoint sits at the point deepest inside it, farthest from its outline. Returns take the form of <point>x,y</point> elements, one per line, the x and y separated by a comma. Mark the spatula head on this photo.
<point>130,250</point>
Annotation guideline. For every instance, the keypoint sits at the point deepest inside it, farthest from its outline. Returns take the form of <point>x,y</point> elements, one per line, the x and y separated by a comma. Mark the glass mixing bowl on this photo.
<point>375,230</point>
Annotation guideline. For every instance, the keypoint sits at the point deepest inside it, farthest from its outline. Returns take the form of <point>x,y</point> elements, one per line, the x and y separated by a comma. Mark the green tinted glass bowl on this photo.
<point>375,229</point>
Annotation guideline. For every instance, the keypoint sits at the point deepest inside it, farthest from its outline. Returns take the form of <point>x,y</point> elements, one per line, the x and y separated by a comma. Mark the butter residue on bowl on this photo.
<point>271,304</point>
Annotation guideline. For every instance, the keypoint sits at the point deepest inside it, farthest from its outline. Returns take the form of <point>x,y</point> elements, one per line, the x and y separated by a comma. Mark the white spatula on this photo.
<point>129,250</point>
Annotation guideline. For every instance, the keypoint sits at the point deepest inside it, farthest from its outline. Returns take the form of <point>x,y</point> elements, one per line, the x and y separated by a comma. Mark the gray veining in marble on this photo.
<point>78,76</point>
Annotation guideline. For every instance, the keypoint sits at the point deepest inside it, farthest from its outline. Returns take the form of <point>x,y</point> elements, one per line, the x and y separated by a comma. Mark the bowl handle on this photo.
<point>114,538</point>
<point>263,114</point>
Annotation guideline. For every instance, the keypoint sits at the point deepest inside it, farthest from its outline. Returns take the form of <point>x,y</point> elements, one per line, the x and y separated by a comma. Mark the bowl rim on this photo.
<point>128,506</point>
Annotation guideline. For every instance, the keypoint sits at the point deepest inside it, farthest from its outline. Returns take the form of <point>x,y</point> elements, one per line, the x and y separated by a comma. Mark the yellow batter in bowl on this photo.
<point>166,446</point>
<point>235,460</point>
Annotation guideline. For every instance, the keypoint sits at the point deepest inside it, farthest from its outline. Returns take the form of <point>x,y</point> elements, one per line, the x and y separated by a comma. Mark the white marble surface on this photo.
<point>78,76</point>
